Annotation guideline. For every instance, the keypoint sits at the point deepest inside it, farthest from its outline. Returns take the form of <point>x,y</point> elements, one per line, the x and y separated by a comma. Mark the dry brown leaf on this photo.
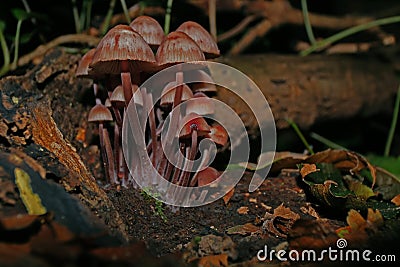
<point>244,229</point>
<point>396,200</point>
<point>359,229</point>
<point>243,210</point>
<point>228,196</point>
<point>214,261</point>
<point>308,209</point>
<point>306,169</point>
<point>280,222</point>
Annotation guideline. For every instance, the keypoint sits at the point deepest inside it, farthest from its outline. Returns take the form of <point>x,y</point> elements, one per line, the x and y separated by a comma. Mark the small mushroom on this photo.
<point>169,91</point>
<point>100,114</point>
<point>218,134</point>
<point>205,176</point>
<point>149,29</point>
<point>206,84</point>
<point>82,71</point>
<point>200,104</point>
<point>201,37</point>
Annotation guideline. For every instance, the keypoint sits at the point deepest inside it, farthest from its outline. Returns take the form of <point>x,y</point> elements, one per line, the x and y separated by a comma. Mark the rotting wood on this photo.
<point>316,88</point>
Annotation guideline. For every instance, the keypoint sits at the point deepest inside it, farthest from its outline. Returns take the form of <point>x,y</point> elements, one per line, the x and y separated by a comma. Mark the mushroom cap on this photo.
<point>99,113</point>
<point>193,121</point>
<point>200,104</point>
<point>207,176</point>
<point>82,70</point>
<point>168,93</point>
<point>149,29</point>
<point>218,134</point>
<point>122,43</point>
<point>201,37</point>
<point>207,84</point>
<point>178,47</point>
<point>118,98</point>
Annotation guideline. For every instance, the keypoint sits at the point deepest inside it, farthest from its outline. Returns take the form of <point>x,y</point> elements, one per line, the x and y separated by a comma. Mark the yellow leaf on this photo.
<point>31,200</point>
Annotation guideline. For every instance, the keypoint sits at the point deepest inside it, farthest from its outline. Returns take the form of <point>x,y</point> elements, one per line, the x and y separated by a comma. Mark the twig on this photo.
<point>237,29</point>
<point>348,32</point>
<point>69,38</point>
<point>212,18</point>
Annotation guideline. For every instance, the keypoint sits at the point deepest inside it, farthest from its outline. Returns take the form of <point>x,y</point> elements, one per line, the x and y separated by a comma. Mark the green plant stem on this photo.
<point>76,16</point>
<point>326,141</point>
<point>16,44</point>
<point>307,22</point>
<point>6,55</point>
<point>340,35</point>
<point>301,136</point>
<point>167,21</point>
<point>88,13</point>
<point>126,11</point>
<point>107,20</point>
<point>393,124</point>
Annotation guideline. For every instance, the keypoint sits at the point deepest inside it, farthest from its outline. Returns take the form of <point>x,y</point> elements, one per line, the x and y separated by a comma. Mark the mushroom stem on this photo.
<point>109,156</point>
<point>190,158</point>
<point>127,86</point>
<point>179,162</point>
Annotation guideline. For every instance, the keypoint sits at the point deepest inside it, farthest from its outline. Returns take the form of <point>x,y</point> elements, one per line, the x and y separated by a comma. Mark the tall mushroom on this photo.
<point>149,29</point>
<point>201,37</point>
<point>124,51</point>
<point>82,71</point>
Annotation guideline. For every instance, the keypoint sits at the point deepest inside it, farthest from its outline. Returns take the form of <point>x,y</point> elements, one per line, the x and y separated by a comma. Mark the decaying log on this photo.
<point>29,105</point>
<point>315,88</point>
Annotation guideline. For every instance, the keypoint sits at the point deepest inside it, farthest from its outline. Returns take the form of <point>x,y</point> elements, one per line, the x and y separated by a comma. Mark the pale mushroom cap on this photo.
<point>122,43</point>
<point>149,29</point>
<point>168,93</point>
<point>207,84</point>
<point>178,47</point>
<point>83,67</point>
<point>201,37</point>
<point>202,105</point>
<point>99,113</point>
<point>118,96</point>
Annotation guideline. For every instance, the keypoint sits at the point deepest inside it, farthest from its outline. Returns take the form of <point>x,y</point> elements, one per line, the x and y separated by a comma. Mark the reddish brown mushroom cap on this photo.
<point>207,84</point>
<point>122,43</point>
<point>83,67</point>
<point>99,113</point>
<point>218,134</point>
<point>207,176</point>
<point>201,37</point>
<point>176,48</point>
<point>149,29</point>
<point>192,122</point>
<point>118,98</point>
<point>168,93</point>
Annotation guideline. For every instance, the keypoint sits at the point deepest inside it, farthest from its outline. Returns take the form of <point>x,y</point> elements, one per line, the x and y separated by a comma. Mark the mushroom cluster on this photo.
<point>124,58</point>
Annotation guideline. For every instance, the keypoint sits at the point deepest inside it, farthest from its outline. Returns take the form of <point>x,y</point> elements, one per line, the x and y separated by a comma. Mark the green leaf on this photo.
<point>390,164</point>
<point>26,37</point>
<point>20,14</point>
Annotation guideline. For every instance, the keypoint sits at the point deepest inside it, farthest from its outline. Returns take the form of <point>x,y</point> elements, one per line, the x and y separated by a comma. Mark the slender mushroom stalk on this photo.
<point>100,114</point>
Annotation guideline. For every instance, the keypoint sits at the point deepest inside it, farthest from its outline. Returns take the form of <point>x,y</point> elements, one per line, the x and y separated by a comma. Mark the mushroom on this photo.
<point>124,51</point>
<point>82,71</point>
<point>193,126</point>
<point>201,37</point>
<point>200,104</point>
<point>100,114</point>
<point>205,177</point>
<point>149,29</point>
<point>169,92</point>
<point>218,134</point>
<point>206,84</point>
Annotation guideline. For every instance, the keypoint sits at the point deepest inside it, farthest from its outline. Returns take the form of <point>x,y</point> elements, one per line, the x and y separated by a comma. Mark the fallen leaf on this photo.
<point>308,209</point>
<point>280,222</point>
<point>396,200</point>
<point>359,229</point>
<point>30,199</point>
<point>214,261</point>
<point>228,196</point>
<point>306,169</point>
<point>245,229</point>
<point>215,245</point>
<point>243,210</point>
